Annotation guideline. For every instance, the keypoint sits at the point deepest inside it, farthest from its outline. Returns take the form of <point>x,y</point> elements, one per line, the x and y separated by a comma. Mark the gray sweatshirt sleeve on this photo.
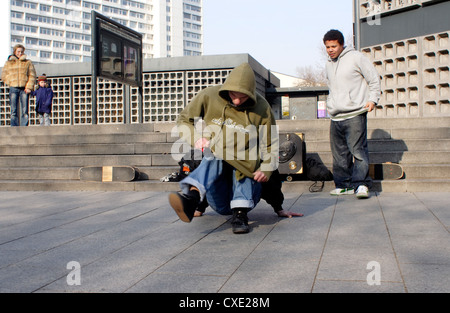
<point>372,78</point>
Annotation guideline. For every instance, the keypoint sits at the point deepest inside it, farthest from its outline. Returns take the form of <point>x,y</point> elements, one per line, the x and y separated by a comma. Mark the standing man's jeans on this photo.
<point>16,96</point>
<point>350,152</point>
<point>216,181</point>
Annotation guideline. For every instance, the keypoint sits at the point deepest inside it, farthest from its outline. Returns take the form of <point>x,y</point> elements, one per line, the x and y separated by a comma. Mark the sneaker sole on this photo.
<point>177,205</point>
<point>365,196</point>
<point>241,230</point>
<point>345,193</point>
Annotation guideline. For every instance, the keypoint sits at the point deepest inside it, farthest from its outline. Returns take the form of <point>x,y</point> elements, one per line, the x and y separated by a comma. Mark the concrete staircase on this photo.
<point>421,146</point>
<point>49,158</point>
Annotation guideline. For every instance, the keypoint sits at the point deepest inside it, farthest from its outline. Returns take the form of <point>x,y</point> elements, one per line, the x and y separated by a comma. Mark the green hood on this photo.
<point>241,79</point>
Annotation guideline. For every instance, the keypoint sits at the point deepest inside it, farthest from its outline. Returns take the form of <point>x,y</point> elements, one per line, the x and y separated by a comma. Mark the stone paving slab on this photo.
<point>132,242</point>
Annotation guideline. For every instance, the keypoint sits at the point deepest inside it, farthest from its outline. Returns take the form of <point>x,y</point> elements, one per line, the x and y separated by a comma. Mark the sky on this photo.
<point>5,50</point>
<point>280,34</point>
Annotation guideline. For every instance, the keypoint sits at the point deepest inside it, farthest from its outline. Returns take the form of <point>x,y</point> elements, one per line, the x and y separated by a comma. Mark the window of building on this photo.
<point>45,55</point>
<point>58,44</point>
<point>15,14</point>
<point>45,43</point>
<point>44,8</point>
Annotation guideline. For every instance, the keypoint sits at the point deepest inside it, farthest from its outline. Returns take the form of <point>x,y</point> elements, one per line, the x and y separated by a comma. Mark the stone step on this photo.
<point>408,123</point>
<point>399,134</point>
<point>372,123</point>
<point>75,139</point>
<point>86,160</point>
<point>72,173</point>
<point>412,171</point>
<point>409,145</point>
<point>383,145</point>
<point>161,137</point>
<point>39,173</point>
<point>420,185</point>
<point>315,129</point>
<point>86,149</point>
<point>165,148</point>
<point>56,130</point>
<point>423,133</point>
<point>402,157</point>
<point>426,171</point>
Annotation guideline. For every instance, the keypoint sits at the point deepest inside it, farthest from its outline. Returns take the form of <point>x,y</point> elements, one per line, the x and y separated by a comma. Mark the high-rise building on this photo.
<point>56,31</point>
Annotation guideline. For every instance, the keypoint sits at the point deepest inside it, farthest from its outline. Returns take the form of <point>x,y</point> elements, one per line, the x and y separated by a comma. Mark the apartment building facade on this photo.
<point>59,31</point>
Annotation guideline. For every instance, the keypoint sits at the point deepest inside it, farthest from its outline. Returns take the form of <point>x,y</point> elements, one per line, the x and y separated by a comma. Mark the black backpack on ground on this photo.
<point>317,172</point>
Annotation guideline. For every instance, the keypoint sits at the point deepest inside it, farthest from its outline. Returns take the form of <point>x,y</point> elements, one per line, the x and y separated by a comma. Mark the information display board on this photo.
<point>117,51</point>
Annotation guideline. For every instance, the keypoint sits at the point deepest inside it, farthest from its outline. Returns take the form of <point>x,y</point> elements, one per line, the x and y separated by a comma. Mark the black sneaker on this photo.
<point>239,221</point>
<point>202,206</point>
<point>184,205</point>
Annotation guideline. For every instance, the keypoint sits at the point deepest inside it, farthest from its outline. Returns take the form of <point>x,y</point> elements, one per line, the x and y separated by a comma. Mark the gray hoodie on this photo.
<point>353,81</point>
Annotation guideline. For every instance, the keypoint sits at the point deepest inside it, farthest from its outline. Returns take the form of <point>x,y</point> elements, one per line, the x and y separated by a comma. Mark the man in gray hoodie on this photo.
<point>354,90</point>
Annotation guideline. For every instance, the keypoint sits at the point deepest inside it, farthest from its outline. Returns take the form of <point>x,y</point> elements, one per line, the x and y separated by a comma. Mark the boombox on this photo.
<point>292,154</point>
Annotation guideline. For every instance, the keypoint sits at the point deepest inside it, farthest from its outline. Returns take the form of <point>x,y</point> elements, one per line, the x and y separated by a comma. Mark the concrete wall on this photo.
<point>405,22</point>
<point>168,85</point>
<point>409,44</point>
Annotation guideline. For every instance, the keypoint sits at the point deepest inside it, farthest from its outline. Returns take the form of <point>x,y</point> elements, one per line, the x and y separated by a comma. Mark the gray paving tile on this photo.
<point>134,242</point>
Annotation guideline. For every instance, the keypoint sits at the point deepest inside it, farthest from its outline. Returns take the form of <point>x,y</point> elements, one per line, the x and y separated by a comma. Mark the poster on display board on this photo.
<point>322,109</point>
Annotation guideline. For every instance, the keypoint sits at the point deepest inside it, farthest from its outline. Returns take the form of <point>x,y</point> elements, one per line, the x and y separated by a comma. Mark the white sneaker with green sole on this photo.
<point>342,191</point>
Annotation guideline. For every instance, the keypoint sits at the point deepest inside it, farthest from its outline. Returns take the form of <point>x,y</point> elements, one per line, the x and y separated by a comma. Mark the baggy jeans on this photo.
<point>16,96</point>
<point>350,151</point>
<point>216,180</point>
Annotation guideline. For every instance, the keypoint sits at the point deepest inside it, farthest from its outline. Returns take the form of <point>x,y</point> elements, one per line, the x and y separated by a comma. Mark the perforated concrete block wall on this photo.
<point>165,94</point>
<point>414,71</point>
<point>415,76</point>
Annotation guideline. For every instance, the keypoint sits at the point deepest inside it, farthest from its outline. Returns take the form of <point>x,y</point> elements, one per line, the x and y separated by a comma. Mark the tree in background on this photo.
<point>311,76</point>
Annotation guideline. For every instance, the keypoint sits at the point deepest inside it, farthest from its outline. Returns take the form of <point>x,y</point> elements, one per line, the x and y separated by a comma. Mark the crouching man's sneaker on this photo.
<point>185,204</point>
<point>239,221</point>
<point>362,192</point>
<point>342,191</point>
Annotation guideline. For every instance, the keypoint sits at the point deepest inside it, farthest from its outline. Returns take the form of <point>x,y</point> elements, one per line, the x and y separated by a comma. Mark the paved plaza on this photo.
<point>133,242</point>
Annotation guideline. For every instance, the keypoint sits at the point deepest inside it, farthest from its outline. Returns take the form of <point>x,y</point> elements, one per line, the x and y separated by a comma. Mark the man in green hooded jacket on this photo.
<point>240,144</point>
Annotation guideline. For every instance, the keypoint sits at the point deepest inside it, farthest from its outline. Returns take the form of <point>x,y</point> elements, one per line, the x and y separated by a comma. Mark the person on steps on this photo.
<point>19,74</point>
<point>355,89</point>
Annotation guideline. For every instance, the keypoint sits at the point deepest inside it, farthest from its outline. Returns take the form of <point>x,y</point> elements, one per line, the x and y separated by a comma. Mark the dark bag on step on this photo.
<point>188,163</point>
<point>317,171</point>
